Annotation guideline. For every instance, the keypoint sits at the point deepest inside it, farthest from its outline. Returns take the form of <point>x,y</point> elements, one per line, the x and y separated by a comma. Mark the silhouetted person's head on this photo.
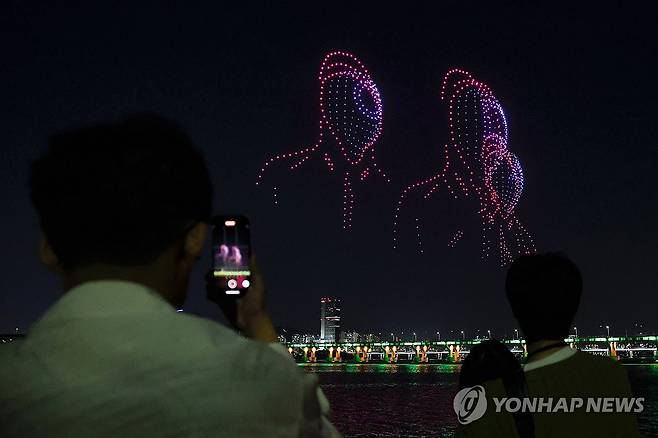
<point>127,200</point>
<point>544,292</point>
<point>489,360</point>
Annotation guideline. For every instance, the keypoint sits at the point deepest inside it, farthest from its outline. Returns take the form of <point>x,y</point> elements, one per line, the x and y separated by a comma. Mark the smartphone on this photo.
<point>231,251</point>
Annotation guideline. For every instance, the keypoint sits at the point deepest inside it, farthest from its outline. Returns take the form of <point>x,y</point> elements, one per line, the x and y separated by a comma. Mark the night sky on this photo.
<point>578,87</point>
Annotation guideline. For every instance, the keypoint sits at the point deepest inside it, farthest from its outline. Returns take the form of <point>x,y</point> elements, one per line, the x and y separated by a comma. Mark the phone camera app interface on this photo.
<point>231,256</point>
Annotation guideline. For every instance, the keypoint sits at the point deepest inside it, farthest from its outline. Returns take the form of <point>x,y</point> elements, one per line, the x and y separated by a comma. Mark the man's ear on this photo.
<point>194,240</point>
<point>48,256</point>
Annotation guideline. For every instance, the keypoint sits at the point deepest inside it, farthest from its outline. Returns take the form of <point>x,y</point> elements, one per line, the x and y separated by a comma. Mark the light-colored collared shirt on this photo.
<point>113,358</point>
<point>558,356</point>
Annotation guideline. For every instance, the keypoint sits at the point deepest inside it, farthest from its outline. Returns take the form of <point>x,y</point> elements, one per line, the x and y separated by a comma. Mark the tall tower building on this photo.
<point>329,319</point>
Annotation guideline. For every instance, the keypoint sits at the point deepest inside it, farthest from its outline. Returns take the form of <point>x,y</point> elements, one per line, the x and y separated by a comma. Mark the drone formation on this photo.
<point>478,163</point>
<point>350,125</point>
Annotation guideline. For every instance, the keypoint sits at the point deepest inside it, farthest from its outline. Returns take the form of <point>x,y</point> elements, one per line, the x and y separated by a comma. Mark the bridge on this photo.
<point>627,348</point>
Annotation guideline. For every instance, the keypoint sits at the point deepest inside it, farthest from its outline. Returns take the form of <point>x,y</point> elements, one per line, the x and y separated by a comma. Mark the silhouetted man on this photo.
<point>124,209</point>
<point>544,292</point>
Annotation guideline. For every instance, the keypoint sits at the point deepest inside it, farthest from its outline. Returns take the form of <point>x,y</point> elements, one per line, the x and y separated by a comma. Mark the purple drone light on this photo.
<point>351,115</point>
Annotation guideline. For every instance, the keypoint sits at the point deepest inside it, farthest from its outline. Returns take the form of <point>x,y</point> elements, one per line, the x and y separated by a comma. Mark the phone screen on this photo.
<point>231,249</point>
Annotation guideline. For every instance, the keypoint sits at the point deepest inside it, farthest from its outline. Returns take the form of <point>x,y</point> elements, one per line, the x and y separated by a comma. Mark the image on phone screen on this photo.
<point>231,248</point>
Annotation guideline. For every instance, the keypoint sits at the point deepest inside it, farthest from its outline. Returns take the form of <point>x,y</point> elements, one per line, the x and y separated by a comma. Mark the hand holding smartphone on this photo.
<point>235,272</point>
<point>231,253</point>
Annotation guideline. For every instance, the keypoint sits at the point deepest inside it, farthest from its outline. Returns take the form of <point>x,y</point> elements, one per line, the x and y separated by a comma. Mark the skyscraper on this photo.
<point>329,319</point>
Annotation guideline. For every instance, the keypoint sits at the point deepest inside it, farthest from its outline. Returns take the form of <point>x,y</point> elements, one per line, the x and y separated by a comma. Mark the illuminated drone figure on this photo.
<point>478,164</point>
<point>350,124</point>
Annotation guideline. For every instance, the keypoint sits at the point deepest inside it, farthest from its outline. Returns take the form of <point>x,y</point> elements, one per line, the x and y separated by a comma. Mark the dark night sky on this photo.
<point>578,86</point>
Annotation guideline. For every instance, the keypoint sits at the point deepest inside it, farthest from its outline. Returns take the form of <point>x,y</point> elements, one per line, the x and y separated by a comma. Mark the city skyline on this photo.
<point>330,312</point>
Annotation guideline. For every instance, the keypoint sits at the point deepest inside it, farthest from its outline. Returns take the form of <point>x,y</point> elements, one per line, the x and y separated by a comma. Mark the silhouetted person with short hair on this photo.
<point>124,209</point>
<point>544,292</point>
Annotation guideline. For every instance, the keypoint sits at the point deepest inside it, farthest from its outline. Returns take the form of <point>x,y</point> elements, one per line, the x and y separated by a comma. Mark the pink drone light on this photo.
<point>351,115</point>
<point>478,164</point>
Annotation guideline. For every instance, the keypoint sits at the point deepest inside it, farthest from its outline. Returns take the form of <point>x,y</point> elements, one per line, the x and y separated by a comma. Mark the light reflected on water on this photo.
<point>389,400</point>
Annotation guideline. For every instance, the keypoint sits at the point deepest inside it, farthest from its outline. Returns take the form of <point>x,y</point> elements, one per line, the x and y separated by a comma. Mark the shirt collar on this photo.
<point>558,356</point>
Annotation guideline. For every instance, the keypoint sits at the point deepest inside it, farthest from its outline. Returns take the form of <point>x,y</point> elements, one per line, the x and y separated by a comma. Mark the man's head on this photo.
<point>126,200</point>
<point>544,293</point>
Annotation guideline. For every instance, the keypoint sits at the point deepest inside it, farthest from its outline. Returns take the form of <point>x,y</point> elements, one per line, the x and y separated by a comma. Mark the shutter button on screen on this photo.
<point>232,284</point>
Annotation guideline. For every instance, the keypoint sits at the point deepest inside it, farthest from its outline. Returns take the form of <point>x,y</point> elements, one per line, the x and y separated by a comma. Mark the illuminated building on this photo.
<point>329,319</point>
<point>349,336</point>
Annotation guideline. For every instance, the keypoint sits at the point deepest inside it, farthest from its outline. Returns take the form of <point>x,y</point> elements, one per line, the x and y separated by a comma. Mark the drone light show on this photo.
<point>477,164</point>
<point>350,125</point>
<point>477,161</point>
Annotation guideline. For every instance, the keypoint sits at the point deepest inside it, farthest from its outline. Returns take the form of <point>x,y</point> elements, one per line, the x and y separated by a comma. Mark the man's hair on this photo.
<point>544,292</point>
<point>119,193</point>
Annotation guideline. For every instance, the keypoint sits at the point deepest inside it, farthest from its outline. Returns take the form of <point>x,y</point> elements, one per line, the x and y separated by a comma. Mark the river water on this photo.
<point>412,400</point>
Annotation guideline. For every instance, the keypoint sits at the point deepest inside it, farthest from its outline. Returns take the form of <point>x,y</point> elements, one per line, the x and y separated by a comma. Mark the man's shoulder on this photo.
<point>209,338</point>
<point>580,372</point>
<point>592,363</point>
<point>606,367</point>
<point>166,341</point>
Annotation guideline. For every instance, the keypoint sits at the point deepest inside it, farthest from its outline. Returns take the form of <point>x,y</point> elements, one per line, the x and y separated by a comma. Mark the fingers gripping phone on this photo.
<point>231,251</point>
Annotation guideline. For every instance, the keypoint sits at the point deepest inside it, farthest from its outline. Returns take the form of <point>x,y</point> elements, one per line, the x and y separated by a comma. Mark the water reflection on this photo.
<point>416,399</point>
